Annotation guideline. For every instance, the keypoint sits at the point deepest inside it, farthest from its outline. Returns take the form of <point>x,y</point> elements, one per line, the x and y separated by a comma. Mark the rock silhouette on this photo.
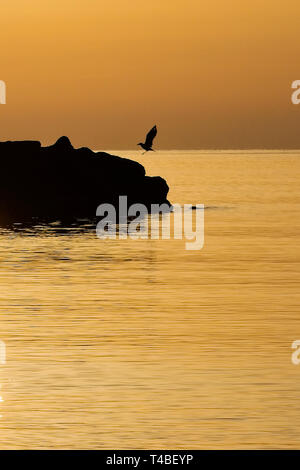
<point>61,181</point>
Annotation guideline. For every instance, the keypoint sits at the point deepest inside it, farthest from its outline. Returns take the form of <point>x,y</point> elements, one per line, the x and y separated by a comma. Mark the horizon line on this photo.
<point>205,150</point>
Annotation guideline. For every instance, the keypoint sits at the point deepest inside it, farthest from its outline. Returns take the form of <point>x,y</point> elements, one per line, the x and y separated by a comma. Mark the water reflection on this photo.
<point>143,344</point>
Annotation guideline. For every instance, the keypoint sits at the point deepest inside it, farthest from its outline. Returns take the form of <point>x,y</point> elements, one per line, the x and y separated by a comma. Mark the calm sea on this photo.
<point>143,344</point>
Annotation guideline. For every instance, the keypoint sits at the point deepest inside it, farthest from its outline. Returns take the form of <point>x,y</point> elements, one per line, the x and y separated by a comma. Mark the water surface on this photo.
<point>143,344</point>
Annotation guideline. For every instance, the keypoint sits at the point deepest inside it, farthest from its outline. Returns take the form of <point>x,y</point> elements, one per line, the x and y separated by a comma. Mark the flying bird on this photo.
<point>147,146</point>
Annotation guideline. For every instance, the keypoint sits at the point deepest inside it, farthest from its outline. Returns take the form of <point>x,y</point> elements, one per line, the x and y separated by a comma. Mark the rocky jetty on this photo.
<point>61,181</point>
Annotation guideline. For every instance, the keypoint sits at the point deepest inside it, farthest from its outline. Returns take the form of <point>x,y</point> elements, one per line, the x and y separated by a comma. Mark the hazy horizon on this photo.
<point>251,150</point>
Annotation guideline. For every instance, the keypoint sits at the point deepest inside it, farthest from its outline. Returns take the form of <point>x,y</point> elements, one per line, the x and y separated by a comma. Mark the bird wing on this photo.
<point>150,136</point>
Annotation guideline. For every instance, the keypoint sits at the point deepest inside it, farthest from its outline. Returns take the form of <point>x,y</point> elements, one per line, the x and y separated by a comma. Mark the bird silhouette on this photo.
<point>147,146</point>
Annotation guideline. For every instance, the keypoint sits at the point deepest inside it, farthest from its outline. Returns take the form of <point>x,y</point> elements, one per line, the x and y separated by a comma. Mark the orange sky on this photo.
<point>210,74</point>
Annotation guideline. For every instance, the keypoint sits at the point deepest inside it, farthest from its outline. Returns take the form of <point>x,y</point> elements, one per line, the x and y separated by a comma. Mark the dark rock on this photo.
<point>63,144</point>
<point>59,181</point>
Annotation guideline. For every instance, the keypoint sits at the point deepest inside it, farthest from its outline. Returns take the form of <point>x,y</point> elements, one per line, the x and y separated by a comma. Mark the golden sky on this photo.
<point>209,73</point>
